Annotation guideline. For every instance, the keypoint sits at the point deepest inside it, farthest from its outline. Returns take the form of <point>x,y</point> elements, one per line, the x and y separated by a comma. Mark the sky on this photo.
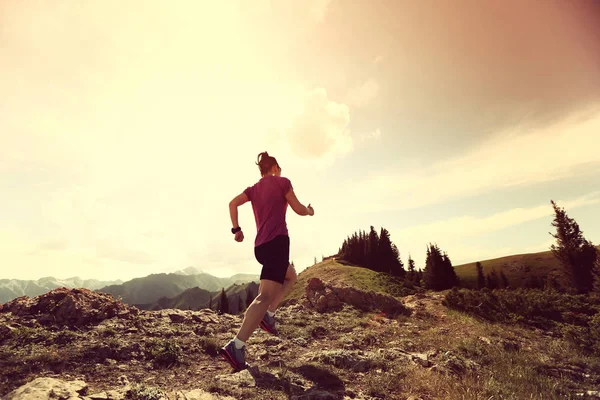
<point>127,127</point>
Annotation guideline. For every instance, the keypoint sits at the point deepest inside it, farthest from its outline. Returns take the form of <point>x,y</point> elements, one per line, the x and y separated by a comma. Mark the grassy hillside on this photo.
<point>337,272</point>
<point>517,268</point>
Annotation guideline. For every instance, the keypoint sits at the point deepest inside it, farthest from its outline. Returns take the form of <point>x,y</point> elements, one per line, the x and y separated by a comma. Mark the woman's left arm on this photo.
<point>233,208</point>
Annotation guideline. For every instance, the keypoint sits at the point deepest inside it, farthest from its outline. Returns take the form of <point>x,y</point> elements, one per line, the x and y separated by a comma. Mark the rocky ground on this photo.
<point>335,343</point>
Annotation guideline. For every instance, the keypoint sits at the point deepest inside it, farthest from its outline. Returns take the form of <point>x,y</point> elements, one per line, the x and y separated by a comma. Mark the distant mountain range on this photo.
<point>13,288</point>
<point>197,299</point>
<point>145,292</point>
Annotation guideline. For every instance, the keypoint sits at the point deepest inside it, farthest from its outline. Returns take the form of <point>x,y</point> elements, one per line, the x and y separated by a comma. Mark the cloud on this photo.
<point>466,226</point>
<point>459,235</point>
<point>515,157</point>
<point>362,95</point>
<point>321,129</point>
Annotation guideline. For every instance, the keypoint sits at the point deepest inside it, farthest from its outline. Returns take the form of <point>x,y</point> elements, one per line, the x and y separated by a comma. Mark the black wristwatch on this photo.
<point>236,230</point>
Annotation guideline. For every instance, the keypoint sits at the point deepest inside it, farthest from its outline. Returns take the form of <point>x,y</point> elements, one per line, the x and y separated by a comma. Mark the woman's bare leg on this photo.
<point>268,291</point>
<point>290,279</point>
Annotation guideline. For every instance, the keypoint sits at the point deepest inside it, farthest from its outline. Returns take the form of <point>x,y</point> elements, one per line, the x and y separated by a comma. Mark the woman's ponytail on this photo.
<point>265,162</point>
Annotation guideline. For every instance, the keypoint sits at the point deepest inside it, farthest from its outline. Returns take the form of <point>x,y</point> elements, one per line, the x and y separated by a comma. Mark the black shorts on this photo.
<point>274,257</point>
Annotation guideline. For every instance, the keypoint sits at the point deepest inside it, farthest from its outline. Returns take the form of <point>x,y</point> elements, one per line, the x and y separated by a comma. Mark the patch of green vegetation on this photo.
<point>144,392</point>
<point>164,352</point>
<point>210,345</point>
<point>66,337</point>
<point>518,268</point>
<point>577,317</point>
<point>360,278</point>
<point>24,336</point>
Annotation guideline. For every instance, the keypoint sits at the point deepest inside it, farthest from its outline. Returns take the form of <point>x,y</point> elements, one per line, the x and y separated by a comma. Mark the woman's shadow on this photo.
<point>321,378</point>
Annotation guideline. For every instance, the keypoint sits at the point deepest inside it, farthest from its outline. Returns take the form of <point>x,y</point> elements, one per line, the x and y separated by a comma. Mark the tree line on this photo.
<point>378,253</point>
<point>578,257</point>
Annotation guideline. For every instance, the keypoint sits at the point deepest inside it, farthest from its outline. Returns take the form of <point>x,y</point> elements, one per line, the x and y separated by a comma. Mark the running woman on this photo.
<point>269,197</point>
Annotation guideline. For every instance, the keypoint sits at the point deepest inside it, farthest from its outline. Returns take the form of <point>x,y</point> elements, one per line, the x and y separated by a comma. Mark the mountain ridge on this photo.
<point>146,291</point>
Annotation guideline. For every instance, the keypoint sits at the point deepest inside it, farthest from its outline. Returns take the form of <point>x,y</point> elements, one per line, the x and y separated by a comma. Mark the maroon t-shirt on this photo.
<point>269,205</point>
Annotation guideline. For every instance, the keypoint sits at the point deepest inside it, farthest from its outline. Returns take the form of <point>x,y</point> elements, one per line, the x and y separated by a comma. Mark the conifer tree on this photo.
<point>240,305</point>
<point>480,276</point>
<point>577,255</point>
<point>372,249</point>
<point>439,273</point>
<point>223,303</point>
<point>492,280</point>
<point>397,264</point>
<point>412,273</point>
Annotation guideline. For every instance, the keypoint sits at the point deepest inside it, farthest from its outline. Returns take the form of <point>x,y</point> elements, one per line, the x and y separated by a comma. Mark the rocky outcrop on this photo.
<point>56,389</point>
<point>48,388</point>
<point>356,361</point>
<point>72,307</point>
<point>330,298</point>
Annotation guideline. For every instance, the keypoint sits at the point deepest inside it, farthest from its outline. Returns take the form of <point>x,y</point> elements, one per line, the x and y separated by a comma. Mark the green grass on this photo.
<point>518,268</point>
<point>360,278</point>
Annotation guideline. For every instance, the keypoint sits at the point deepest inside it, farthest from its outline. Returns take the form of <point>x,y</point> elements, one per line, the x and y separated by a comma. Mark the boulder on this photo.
<point>48,388</point>
<point>330,298</point>
<point>199,394</point>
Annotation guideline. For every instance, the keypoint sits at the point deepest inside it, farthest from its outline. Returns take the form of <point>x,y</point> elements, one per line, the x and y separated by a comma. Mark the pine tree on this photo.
<point>372,249</point>
<point>577,255</point>
<point>412,273</point>
<point>210,303</point>
<point>439,273</point>
<point>223,303</point>
<point>388,256</point>
<point>433,266</point>
<point>448,272</point>
<point>492,280</point>
<point>397,264</point>
<point>480,276</point>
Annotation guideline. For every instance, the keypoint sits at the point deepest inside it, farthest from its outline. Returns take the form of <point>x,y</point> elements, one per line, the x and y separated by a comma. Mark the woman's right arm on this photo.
<point>298,207</point>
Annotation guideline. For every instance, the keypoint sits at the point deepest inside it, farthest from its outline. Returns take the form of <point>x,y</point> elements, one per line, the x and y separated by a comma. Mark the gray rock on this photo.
<point>240,379</point>
<point>48,388</point>
<point>300,342</point>
<point>357,361</point>
<point>315,394</point>
<point>199,394</point>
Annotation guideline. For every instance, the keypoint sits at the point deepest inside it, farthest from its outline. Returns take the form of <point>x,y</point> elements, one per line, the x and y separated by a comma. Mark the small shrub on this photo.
<point>164,352</point>
<point>541,309</point>
<point>143,392</point>
<point>24,335</point>
<point>210,345</point>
